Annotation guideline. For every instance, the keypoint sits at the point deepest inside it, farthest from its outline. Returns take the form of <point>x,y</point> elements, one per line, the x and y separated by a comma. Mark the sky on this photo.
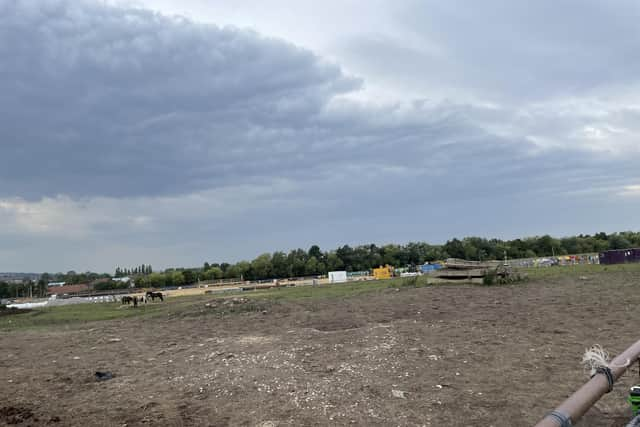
<point>173,132</point>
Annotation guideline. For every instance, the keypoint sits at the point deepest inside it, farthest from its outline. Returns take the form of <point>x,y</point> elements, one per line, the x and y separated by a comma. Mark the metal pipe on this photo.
<point>634,422</point>
<point>579,402</point>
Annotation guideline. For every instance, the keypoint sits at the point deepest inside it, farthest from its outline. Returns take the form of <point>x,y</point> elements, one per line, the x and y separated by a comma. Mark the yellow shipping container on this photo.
<point>385,272</point>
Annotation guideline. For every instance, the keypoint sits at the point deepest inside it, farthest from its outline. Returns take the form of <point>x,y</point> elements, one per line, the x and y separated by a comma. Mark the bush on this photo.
<point>489,279</point>
<point>410,282</point>
<point>103,286</point>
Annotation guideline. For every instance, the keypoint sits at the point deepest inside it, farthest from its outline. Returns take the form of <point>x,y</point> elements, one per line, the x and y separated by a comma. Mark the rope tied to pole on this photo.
<point>606,371</point>
<point>577,404</point>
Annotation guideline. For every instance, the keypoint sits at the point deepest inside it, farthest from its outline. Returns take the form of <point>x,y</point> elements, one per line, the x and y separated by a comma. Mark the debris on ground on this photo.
<point>103,376</point>
<point>399,394</point>
<point>16,415</point>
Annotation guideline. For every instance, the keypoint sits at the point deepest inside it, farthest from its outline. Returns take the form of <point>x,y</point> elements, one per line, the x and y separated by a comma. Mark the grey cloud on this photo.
<point>106,101</point>
<point>504,50</point>
<point>103,100</point>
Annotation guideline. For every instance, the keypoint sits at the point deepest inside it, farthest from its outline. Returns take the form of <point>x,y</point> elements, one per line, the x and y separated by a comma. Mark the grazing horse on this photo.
<point>154,295</point>
<point>130,300</point>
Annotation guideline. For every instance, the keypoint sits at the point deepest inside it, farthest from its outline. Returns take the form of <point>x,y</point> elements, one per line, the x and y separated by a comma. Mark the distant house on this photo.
<point>50,284</point>
<point>68,289</point>
<point>128,280</point>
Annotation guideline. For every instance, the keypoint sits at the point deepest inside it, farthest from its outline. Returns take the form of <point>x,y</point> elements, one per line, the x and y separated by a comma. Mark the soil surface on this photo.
<point>436,356</point>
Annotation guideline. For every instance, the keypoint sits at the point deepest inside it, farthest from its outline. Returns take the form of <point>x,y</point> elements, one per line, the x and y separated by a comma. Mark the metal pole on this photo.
<point>582,400</point>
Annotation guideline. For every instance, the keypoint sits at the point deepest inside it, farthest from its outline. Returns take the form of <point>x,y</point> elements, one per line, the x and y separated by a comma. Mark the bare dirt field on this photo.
<point>434,356</point>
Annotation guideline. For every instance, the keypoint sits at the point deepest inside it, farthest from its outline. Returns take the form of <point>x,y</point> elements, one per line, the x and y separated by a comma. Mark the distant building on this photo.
<point>52,284</point>
<point>68,289</point>
<point>122,279</point>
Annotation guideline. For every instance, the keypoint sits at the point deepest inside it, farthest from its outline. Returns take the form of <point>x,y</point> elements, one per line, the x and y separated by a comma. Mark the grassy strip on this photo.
<point>73,314</point>
<point>78,314</point>
<point>577,270</point>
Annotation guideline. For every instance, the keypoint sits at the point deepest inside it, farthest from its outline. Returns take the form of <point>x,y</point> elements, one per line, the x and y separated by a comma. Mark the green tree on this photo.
<point>314,251</point>
<point>215,273</point>
<point>176,278</point>
<point>311,267</point>
<point>261,267</point>
<point>189,277</point>
<point>279,265</point>
<point>334,263</point>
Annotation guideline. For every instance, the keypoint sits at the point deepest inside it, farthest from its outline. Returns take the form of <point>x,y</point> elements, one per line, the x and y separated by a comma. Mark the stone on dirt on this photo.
<point>399,394</point>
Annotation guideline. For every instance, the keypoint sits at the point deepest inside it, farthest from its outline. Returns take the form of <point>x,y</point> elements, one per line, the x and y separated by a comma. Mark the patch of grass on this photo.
<point>73,314</point>
<point>577,270</point>
<point>78,314</point>
<point>337,290</point>
<point>410,282</point>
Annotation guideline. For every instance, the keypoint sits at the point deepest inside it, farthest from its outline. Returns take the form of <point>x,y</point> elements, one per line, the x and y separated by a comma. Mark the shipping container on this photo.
<point>427,268</point>
<point>620,256</point>
<point>385,272</point>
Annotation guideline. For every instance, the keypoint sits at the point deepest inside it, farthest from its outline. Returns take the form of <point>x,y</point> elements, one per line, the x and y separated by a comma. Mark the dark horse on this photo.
<point>128,300</point>
<point>154,295</point>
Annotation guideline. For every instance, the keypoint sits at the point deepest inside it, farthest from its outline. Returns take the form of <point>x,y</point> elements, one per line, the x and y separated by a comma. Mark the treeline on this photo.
<point>140,270</point>
<point>22,290</point>
<point>298,262</point>
<point>313,262</point>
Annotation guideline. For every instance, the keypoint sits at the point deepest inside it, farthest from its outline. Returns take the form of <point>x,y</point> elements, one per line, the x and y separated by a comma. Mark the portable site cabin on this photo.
<point>337,276</point>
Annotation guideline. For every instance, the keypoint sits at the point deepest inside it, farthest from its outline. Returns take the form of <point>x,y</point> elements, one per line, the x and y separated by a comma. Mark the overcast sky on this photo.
<point>176,132</point>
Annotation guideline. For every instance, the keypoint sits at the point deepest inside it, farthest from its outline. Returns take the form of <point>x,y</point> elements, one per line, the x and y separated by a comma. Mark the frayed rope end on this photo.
<point>597,357</point>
